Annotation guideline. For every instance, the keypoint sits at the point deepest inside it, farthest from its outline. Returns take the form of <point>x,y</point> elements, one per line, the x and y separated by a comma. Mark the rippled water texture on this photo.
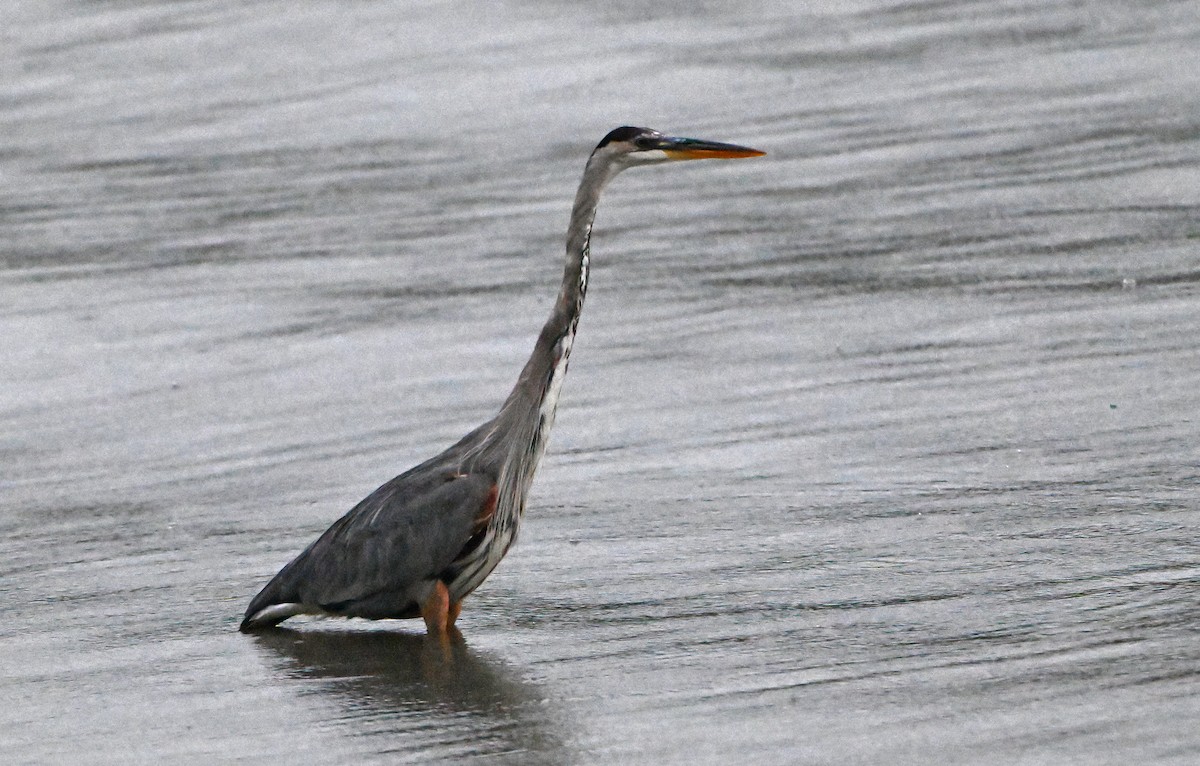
<point>880,449</point>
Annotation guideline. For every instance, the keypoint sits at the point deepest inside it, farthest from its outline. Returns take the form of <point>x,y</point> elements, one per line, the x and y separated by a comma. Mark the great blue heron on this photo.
<point>423,541</point>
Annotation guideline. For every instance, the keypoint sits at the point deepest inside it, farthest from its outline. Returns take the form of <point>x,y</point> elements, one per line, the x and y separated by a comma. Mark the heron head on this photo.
<point>629,146</point>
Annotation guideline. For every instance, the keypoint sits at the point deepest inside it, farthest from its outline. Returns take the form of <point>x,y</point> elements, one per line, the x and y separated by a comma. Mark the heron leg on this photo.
<point>436,610</point>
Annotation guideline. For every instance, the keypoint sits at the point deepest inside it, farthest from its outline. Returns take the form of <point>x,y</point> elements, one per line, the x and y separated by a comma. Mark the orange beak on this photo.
<point>695,149</point>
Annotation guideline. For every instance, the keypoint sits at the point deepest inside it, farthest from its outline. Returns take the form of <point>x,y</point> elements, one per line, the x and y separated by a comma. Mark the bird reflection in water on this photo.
<point>440,694</point>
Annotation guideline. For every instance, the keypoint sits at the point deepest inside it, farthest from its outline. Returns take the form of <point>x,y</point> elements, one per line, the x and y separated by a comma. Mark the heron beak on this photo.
<point>695,149</point>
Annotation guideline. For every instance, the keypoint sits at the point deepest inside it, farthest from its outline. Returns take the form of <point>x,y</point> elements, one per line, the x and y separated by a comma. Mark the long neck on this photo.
<point>527,415</point>
<point>542,376</point>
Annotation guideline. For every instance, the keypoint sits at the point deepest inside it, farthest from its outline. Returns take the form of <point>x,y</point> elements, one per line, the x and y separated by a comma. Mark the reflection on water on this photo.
<point>443,700</point>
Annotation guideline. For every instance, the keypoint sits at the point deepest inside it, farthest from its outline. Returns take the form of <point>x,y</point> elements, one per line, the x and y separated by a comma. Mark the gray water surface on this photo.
<point>880,449</point>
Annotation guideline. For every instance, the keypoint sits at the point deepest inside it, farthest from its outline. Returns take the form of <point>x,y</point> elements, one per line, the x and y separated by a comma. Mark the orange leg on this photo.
<point>436,610</point>
<point>455,610</point>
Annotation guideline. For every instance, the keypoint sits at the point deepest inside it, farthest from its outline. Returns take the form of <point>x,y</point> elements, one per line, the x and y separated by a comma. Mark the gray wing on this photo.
<point>405,533</point>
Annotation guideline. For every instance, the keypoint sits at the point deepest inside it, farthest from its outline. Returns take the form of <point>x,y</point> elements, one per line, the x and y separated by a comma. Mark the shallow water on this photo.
<point>882,448</point>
